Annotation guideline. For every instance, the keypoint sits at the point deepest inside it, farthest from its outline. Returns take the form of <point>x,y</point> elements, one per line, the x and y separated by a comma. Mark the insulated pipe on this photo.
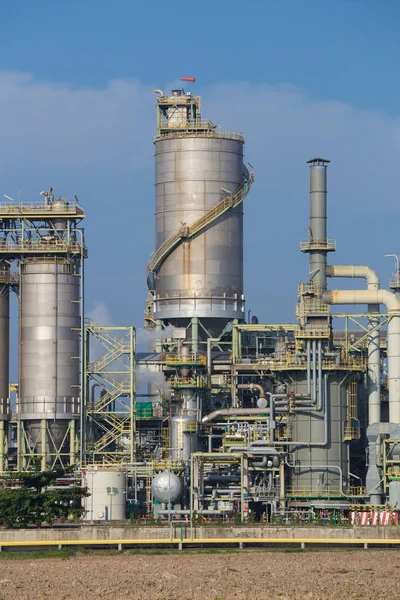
<point>308,368</point>
<point>356,272</point>
<point>210,341</point>
<point>374,350</point>
<point>392,304</point>
<point>319,404</point>
<point>227,412</point>
<point>314,369</point>
<point>251,386</point>
<point>318,220</point>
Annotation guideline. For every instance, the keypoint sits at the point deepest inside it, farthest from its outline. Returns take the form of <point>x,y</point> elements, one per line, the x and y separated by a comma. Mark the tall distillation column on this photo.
<point>195,276</point>
<point>321,456</point>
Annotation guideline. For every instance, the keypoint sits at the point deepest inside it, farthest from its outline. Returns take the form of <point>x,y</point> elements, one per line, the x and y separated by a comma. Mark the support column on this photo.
<point>159,344</point>
<point>195,335</point>
<point>43,431</point>
<point>20,443</point>
<point>3,446</point>
<point>72,442</point>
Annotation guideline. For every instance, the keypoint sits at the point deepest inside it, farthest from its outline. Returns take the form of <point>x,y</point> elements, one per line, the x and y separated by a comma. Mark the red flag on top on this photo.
<point>192,79</point>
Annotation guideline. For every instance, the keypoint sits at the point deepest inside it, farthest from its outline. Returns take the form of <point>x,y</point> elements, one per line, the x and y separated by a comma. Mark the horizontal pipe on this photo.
<point>226,412</point>
<point>251,386</point>
<point>358,272</point>
<point>385,297</point>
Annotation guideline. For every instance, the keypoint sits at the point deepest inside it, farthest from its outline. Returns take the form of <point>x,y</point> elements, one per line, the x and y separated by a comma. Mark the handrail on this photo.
<point>187,232</point>
<point>194,130</point>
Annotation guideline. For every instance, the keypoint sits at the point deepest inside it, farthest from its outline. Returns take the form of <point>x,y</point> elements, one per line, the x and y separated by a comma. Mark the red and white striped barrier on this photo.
<point>374,518</point>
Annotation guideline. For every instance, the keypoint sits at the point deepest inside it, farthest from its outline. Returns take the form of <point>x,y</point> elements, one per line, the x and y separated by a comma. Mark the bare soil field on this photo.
<point>341,575</point>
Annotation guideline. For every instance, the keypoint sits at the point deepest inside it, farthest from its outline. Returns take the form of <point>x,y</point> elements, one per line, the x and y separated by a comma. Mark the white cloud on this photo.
<point>58,125</point>
<point>110,129</point>
<point>89,134</point>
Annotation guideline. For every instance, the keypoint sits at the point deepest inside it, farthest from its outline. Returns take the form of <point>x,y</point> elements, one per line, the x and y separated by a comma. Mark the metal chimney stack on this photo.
<point>319,244</point>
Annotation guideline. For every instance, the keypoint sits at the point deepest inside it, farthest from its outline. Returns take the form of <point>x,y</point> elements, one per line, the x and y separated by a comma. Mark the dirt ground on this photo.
<point>342,575</point>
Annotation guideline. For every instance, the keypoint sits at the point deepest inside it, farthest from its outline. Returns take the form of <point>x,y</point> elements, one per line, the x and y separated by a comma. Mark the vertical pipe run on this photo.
<point>314,361</point>
<point>195,335</point>
<point>374,368</point>
<point>308,368</point>
<point>373,374</point>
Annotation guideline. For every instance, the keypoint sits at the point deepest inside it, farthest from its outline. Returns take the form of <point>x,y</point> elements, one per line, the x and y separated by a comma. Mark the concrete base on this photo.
<point>188,532</point>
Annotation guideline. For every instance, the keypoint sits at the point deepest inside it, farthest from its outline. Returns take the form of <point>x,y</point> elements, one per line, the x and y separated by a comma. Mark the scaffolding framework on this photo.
<point>109,422</point>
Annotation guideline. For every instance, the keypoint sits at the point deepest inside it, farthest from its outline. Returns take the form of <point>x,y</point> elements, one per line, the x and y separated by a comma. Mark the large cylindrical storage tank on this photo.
<point>204,277</point>
<point>4,340</point>
<point>107,500</point>
<point>49,348</point>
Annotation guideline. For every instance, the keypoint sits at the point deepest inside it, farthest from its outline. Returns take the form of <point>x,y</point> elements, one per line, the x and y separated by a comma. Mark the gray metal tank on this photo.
<point>49,347</point>
<point>203,278</point>
<point>322,458</point>
<point>4,340</point>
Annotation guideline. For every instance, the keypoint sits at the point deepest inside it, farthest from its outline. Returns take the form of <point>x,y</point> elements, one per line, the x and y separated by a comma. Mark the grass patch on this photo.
<point>67,553</point>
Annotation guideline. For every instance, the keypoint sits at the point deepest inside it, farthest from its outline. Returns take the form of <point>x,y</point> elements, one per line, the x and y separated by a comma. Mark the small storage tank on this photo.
<point>166,487</point>
<point>107,500</point>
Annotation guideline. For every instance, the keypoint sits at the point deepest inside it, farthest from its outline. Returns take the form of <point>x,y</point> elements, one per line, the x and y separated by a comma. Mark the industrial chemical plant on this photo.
<point>223,416</point>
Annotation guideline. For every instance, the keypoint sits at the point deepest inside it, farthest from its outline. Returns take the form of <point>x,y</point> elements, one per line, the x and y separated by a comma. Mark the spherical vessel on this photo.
<point>202,277</point>
<point>166,487</point>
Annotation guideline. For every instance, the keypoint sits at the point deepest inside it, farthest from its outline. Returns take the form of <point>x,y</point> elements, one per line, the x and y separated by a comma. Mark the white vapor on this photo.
<point>100,315</point>
<point>153,378</point>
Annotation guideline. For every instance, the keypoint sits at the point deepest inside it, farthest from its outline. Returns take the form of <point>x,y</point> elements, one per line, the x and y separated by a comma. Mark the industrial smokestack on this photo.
<point>318,241</point>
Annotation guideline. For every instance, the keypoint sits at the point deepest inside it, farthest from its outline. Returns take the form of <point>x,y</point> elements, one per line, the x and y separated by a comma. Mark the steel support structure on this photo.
<point>109,418</point>
<point>43,231</point>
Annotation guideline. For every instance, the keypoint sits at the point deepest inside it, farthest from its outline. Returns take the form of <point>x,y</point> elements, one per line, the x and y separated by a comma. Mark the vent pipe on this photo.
<point>318,216</point>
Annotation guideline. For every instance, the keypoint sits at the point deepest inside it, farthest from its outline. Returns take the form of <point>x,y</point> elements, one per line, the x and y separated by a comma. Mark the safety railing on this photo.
<point>55,245</point>
<point>300,362</point>
<point>303,492</point>
<point>32,207</point>
<point>9,277</point>
<point>185,359</point>
<point>327,244</point>
<point>198,128</point>
<point>393,473</point>
<point>188,382</point>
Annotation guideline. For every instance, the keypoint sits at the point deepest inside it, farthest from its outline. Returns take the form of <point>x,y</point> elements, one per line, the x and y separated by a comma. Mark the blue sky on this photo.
<point>300,79</point>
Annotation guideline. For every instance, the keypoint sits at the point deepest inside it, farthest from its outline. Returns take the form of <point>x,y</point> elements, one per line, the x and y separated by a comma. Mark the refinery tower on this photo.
<point>195,276</point>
